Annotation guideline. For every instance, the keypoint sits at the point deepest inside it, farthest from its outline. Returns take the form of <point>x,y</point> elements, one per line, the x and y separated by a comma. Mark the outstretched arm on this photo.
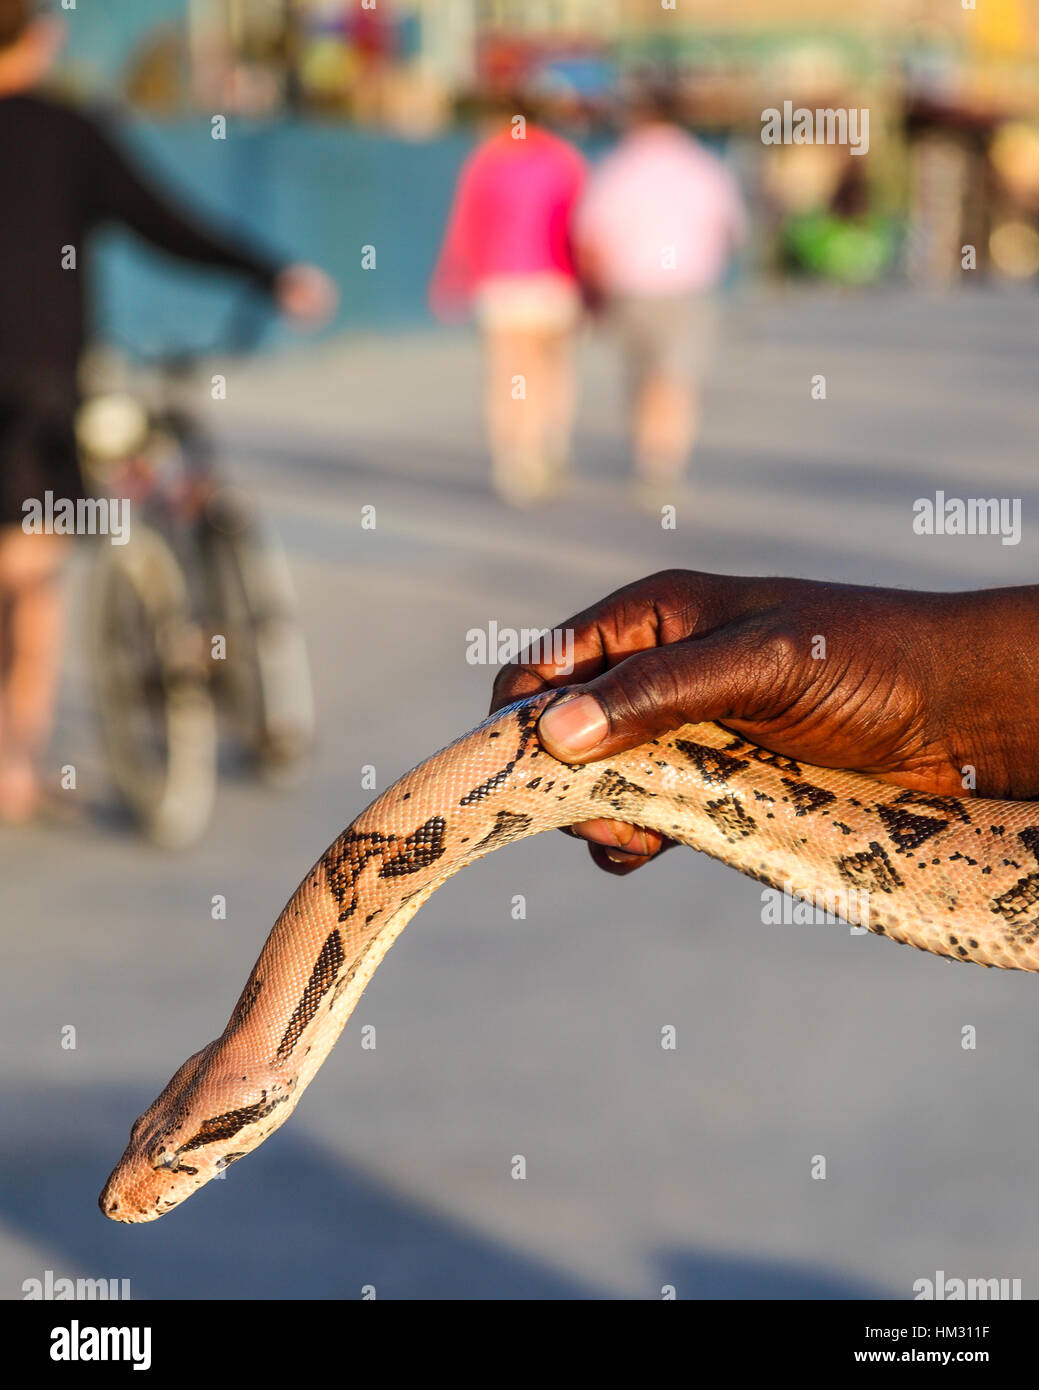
<point>117,191</point>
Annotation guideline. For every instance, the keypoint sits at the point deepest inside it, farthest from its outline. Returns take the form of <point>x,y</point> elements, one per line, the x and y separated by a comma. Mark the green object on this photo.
<point>850,251</point>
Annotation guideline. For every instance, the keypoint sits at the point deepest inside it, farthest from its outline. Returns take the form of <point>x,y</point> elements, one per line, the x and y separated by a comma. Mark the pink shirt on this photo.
<point>511,215</point>
<point>661,215</point>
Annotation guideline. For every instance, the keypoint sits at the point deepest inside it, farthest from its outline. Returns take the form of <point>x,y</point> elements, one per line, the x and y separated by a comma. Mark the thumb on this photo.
<point>726,675</point>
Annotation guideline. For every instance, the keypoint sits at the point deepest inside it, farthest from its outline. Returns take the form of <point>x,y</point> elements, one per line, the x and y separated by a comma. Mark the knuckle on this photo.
<point>505,684</point>
<point>502,678</point>
<point>673,578</point>
<point>779,665</point>
<point>646,693</point>
<point>686,587</point>
<point>783,648</point>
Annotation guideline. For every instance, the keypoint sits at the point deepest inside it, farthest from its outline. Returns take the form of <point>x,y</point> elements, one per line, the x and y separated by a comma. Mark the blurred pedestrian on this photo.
<point>62,176</point>
<point>654,234</point>
<point>506,254</point>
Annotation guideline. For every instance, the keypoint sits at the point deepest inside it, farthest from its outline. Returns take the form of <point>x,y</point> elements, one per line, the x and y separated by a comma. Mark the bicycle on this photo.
<point>194,617</point>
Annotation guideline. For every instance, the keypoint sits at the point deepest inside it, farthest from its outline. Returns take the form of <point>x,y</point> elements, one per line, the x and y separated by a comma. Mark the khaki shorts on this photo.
<point>548,303</point>
<point>665,335</point>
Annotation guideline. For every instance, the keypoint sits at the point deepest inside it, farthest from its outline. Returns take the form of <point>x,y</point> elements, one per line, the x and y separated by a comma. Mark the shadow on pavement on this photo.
<point>716,1274</point>
<point>292,1223</point>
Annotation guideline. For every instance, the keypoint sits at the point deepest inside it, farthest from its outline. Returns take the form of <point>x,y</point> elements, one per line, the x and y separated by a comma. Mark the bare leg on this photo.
<point>560,396</point>
<point>526,403</point>
<point>31,612</point>
<point>666,423</point>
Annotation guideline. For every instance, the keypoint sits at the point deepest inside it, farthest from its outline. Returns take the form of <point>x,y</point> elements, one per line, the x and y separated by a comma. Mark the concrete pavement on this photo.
<point>646,1167</point>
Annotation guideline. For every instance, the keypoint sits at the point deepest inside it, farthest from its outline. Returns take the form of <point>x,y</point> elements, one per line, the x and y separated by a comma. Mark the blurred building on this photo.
<point>952,93</point>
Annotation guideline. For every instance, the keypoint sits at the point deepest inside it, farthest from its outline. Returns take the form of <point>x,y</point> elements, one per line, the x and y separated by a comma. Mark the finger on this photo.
<point>615,861</point>
<point>651,612</point>
<point>739,672</point>
<point>613,834</point>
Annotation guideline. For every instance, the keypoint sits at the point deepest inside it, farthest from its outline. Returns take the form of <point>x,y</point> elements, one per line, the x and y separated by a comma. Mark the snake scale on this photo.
<point>956,877</point>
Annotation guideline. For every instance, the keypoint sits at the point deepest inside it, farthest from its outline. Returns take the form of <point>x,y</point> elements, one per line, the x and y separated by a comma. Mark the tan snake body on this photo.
<point>956,877</point>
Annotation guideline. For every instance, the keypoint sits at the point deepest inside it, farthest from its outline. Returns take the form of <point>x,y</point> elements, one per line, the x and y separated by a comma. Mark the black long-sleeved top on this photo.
<point>60,176</point>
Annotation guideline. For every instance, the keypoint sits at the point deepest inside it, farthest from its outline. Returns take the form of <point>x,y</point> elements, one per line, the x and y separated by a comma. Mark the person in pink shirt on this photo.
<point>506,256</point>
<point>655,231</point>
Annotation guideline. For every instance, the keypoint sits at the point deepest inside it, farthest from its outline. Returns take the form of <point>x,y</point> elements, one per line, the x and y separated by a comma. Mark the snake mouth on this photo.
<point>144,1193</point>
<point>125,1205</point>
<point>109,1208</point>
<point>132,1218</point>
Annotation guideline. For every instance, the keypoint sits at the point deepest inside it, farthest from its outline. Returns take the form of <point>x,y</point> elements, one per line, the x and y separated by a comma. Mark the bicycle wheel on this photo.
<point>156,714</point>
<point>263,681</point>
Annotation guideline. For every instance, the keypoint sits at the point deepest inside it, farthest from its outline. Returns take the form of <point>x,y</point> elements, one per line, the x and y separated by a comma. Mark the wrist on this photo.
<point>988,662</point>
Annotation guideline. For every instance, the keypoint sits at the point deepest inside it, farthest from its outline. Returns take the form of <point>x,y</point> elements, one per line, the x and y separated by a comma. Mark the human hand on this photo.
<point>930,691</point>
<point>305,294</point>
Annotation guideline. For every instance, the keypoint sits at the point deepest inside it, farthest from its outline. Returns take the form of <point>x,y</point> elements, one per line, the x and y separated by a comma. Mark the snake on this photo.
<point>954,876</point>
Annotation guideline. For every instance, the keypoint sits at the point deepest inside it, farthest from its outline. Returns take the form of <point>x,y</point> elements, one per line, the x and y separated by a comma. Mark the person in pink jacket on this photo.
<point>506,257</point>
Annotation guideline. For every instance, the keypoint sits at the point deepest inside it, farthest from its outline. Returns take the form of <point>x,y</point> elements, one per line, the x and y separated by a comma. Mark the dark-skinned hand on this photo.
<point>938,692</point>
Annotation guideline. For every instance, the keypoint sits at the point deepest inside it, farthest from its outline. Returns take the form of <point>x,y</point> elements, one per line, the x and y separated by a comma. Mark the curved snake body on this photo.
<point>956,877</point>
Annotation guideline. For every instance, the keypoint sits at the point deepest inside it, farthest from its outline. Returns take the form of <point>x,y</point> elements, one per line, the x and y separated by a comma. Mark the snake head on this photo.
<point>203,1121</point>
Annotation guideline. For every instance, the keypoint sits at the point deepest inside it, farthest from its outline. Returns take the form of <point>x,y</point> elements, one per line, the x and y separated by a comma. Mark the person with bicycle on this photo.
<point>64,175</point>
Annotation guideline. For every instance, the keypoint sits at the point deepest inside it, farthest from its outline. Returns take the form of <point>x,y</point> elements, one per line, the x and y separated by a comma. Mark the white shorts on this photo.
<point>545,302</point>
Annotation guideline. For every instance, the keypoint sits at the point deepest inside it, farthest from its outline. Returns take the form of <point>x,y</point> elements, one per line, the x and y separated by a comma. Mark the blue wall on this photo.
<point>101,35</point>
<point>306,190</point>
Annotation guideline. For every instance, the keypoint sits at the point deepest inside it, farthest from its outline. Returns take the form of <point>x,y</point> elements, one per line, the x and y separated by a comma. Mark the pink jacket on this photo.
<point>511,216</point>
